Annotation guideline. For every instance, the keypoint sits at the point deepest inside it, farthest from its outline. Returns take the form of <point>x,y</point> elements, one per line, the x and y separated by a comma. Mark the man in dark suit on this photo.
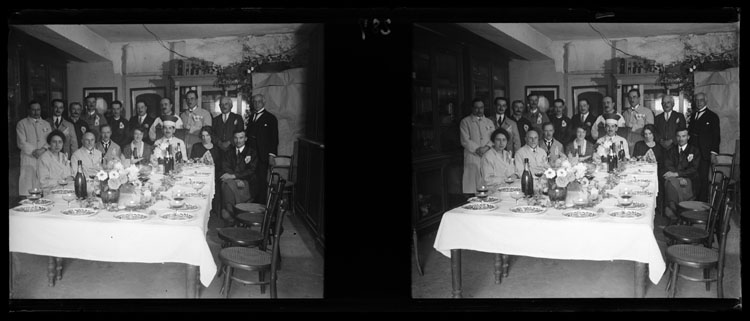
<point>517,115</point>
<point>584,118</point>
<point>81,127</point>
<point>118,124</point>
<point>226,123</point>
<point>238,183</point>
<point>561,122</point>
<point>141,120</point>
<point>681,164</point>
<point>668,122</point>
<point>66,127</point>
<point>705,133</point>
<point>263,133</point>
<point>502,120</point>
<point>92,117</point>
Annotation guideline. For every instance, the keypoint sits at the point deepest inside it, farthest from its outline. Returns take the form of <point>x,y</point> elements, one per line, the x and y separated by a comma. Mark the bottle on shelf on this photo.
<point>527,181</point>
<point>80,182</point>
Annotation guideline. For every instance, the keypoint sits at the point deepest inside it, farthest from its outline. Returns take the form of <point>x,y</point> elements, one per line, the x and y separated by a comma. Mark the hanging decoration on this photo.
<point>679,74</point>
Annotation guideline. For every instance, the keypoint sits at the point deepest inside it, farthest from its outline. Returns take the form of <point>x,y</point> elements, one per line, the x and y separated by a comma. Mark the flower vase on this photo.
<point>556,193</point>
<point>109,195</point>
<point>575,193</point>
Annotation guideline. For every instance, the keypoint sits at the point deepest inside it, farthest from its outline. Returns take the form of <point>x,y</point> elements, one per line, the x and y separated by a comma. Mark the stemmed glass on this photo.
<point>516,195</point>
<point>643,184</point>
<point>69,197</point>
<point>197,185</point>
<point>482,192</point>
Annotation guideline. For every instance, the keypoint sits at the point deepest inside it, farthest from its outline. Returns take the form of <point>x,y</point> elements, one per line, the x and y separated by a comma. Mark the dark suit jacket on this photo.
<point>666,130</point>
<point>523,126</point>
<point>120,130</point>
<point>681,165</point>
<point>81,127</point>
<point>223,131</point>
<point>562,133</point>
<point>263,135</point>
<point>588,122</point>
<point>133,123</point>
<point>705,133</point>
<point>231,164</point>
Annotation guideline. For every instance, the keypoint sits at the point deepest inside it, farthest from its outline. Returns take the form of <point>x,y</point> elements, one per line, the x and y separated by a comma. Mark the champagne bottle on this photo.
<point>168,161</point>
<point>527,182</point>
<point>621,153</point>
<point>178,154</point>
<point>80,182</point>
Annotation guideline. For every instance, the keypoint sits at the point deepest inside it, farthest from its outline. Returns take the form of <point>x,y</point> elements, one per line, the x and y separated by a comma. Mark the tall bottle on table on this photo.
<point>168,161</point>
<point>80,182</point>
<point>621,153</point>
<point>527,181</point>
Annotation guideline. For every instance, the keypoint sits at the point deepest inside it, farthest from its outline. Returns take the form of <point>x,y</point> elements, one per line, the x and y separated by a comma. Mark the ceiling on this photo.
<point>581,31</point>
<point>136,32</point>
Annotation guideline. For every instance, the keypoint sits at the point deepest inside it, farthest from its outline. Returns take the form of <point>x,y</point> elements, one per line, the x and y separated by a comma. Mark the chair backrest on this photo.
<point>723,234</point>
<point>734,172</point>
<point>277,235</point>
<point>272,209</point>
<point>273,179</point>
<point>717,207</point>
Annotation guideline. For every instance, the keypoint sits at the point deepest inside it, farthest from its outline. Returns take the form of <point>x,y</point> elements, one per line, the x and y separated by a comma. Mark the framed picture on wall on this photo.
<point>107,94</point>
<point>593,95</point>
<point>546,94</point>
<point>151,96</point>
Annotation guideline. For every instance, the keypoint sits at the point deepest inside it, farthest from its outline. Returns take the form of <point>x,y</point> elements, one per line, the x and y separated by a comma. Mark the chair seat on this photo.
<point>250,208</point>
<point>692,255</point>
<point>694,206</point>
<point>251,218</point>
<point>245,257</point>
<point>240,235</point>
<point>686,234</point>
<point>695,217</point>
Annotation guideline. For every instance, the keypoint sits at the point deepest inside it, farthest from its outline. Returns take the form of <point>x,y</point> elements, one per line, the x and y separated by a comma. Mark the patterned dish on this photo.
<point>528,209</point>
<point>580,214</point>
<point>626,214</point>
<point>31,208</point>
<point>131,216</point>
<point>41,201</point>
<point>199,174</point>
<point>186,207</point>
<point>62,191</point>
<point>489,199</point>
<point>634,205</point>
<point>508,189</point>
<point>177,216</point>
<point>79,211</point>
<point>479,206</point>
<point>194,195</point>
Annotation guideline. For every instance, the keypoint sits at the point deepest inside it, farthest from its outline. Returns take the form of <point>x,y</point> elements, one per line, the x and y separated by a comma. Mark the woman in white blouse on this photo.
<point>497,163</point>
<point>584,147</point>
<point>54,165</point>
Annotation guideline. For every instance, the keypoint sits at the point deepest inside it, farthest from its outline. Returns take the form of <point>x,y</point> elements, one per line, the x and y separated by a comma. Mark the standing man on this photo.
<point>561,122</point>
<point>475,138</point>
<point>167,109</point>
<point>239,164</point>
<point>534,115</point>
<point>550,144</point>
<point>226,123</point>
<point>705,133</point>
<point>523,124</point>
<point>119,124</point>
<point>93,118</point>
<point>81,127</point>
<point>263,131</point>
<point>501,120</point>
<point>636,117</point>
<point>194,119</point>
<point>31,139</point>
<point>110,149</point>
<point>609,113</point>
<point>584,118</point>
<point>141,120</point>
<point>66,127</point>
<point>668,122</point>
<point>88,155</point>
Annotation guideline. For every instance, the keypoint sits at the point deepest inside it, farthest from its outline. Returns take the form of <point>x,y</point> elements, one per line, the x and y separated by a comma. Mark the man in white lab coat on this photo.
<point>475,138</point>
<point>31,139</point>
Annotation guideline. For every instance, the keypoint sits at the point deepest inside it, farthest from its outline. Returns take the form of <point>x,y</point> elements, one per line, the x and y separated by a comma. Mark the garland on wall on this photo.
<point>680,73</point>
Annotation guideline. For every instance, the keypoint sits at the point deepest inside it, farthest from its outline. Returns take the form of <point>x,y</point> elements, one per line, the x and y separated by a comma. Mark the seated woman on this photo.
<point>580,144</point>
<point>54,165</point>
<point>650,151</point>
<point>497,163</point>
<point>138,150</point>
<point>209,153</point>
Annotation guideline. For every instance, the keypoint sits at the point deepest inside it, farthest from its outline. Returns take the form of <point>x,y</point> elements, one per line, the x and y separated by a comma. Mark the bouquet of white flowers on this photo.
<point>118,175</point>
<point>569,171</point>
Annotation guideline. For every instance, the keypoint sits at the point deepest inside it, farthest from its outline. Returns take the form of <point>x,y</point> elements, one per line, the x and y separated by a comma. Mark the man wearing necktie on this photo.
<point>668,122</point>
<point>502,120</point>
<point>584,118</point>
<point>534,115</point>
<point>194,118</point>
<point>31,139</point>
<point>475,138</point>
<point>90,157</point>
<point>682,164</point>
<point>636,117</point>
<point>141,120</point>
<point>263,135</point>
<point>226,123</point>
<point>92,117</point>
<point>81,127</point>
<point>537,155</point>
<point>705,133</point>
<point>561,122</point>
<point>612,121</point>
<point>66,127</point>
<point>110,150</point>
<point>240,167</point>
<point>552,146</point>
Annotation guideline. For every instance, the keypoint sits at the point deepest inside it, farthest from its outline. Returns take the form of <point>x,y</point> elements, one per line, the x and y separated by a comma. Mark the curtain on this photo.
<point>284,92</point>
<point>722,89</point>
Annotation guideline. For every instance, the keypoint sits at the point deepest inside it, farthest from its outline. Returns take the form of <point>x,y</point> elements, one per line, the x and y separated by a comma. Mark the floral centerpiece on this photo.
<point>559,178</point>
<point>113,176</point>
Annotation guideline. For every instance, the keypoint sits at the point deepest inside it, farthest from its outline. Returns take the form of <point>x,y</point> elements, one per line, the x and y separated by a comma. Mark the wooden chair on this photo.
<point>247,237</point>
<point>288,194</point>
<point>700,257</point>
<point>694,212</point>
<point>251,214</point>
<point>254,259</point>
<point>692,234</point>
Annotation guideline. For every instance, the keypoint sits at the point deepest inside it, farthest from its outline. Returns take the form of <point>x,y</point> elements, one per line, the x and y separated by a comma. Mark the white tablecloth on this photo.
<point>103,238</point>
<point>552,235</point>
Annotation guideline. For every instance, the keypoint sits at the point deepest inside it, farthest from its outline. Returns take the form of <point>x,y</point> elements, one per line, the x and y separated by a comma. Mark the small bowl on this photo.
<point>62,182</point>
<point>580,202</point>
<point>625,202</point>
<point>509,180</point>
<point>176,204</point>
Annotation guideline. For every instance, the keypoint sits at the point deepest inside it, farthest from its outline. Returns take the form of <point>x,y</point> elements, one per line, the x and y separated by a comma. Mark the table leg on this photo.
<point>415,240</point>
<point>498,267</point>
<point>640,279</point>
<point>191,289</point>
<point>51,271</point>
<point>456,272</point>
<point>10,274</point>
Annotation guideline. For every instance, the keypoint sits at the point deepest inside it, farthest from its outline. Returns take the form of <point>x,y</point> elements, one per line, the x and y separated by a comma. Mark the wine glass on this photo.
<point>516,195</point>
<point>482,192</point>
<point>198,185</point>
<point>625,195</point>
<point>643,184</point>
<point>69,197</point>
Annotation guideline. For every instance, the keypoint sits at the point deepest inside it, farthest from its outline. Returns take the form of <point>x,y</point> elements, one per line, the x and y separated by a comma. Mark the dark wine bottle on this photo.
<point>527,182</point>
<point>80,182</point>
<point>178,154</point>
<point>168,161</point>
<point>621,153</point>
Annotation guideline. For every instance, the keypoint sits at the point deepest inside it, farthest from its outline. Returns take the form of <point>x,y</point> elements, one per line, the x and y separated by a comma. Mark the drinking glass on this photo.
<point>516,195</point>
<point>198,185</point>
<point>69,197</point>
<point>482,192</point>
<point>643,184</point>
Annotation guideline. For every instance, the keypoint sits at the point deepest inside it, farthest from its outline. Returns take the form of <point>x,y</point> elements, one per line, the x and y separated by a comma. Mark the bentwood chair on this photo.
<point>248,237</point>
<point>288,193</point>
<point>700,257</point>
<point>694,212</point>
<point>254,259</point>
<point>686,234</point>
<point>251,214</point>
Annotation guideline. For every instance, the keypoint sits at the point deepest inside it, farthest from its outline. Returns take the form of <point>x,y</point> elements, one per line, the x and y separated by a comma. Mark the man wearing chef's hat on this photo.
<point>160,145</point>
<point>611,122</point>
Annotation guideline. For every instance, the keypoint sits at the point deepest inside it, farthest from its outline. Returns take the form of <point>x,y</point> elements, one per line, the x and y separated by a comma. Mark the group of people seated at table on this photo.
<point>50,152</point>
<point>682,150</point>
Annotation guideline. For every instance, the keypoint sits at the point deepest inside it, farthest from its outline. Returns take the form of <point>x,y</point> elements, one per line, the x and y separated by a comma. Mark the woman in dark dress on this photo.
<point>205,149</point>
<point>649,150</point>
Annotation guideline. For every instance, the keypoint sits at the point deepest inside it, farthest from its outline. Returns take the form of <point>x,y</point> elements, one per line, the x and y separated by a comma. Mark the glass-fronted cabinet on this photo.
<point>488,78</point>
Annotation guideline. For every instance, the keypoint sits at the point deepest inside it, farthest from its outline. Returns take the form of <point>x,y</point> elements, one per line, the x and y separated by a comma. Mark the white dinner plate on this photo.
<point>186,207</point>
<point>62,191</point>
<point>633,206</point>
<point>489,199</point>
<point>131,216</point>
<point>177,216</point>
<point>528,209</point>
<point>580,214</point>
<point>41,201</point>
<point>79,212</point>
<point>629,214</point>
<point>508,189</point>
<point>31,208</point>
<point>479,207</point>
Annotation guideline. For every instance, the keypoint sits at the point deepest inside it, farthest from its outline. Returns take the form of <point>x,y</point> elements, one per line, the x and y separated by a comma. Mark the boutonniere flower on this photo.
<point>235,122</point>
<point>690,158</point>
<point>96,121</point>
<point>247,159</point>
<point>678,120</point>
<point>539,119</point>
<point>83,130</point>
<point>525,127</point>
<point>564,124</point>
<point>145,125</point>
<point>122,125</point>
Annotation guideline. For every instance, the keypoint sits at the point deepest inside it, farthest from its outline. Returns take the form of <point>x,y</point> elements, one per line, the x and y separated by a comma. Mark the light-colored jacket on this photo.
<point>496,166</point>
<point>31,135</point>
<point>53,168</point>
<point>475,132</point>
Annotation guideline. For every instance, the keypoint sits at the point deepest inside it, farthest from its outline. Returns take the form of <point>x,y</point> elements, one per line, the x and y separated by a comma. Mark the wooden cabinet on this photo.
<point>309,187</point>
<point>208,94</point>
<point>650,92</point>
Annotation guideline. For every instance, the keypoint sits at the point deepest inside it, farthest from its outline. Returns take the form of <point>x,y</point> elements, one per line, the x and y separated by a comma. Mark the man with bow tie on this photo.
<point>169,139</point>
<point>226,123</point>
<point>705,133</point>
<point>501,120</point>
<point>682,165</point>
<point>31,133</point>
<point>194,118</point>
<point>90,157</point>
<point>636,117</point>
<point>110,150</point>
<point>118,124</point>
<point>263,135</point>
<point>81,127</point>
<point>93,118</point>
<point>475,138</point>
<point>66,127</point>
<point>668,122</point>
<point>584,118</point>
<point>141,120</point>
<point>534,115</point>
<point>239,183</point>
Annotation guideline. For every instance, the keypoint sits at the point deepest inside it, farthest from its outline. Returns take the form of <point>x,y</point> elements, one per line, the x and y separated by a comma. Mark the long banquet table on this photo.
<point>554,236</point>
<point>101,237</point>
